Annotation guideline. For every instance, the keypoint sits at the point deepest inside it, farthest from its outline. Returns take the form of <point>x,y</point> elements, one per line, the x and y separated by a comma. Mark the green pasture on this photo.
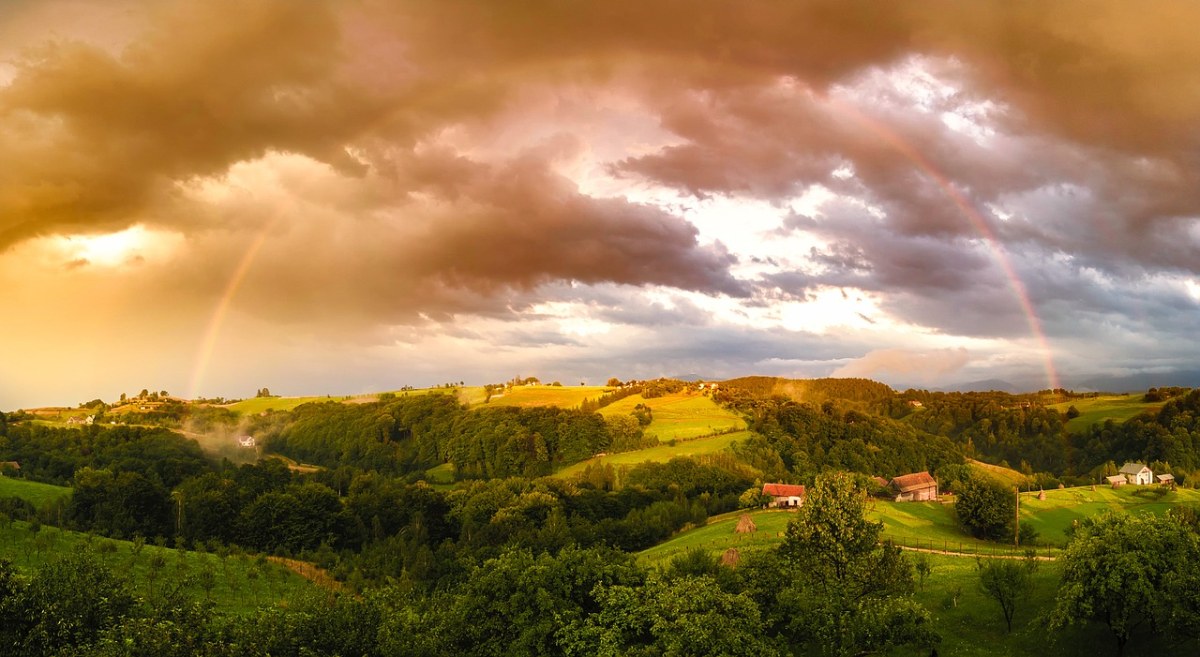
<point>1096,410</point>
<point>542,395</point>
<point>1006,476</point>
<point>718,535</point>
<point>680,416</point>
<point>238,584</point>
<point>35,493</point>
<point>1053,516</point>
<point>258,405</point>
<point>661,453</point>
<point>971,624</point>
<point>932,525</point>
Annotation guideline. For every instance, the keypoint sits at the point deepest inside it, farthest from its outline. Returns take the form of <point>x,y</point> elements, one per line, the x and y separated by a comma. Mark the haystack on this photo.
<point>731,558</point>
<point>1041,494</point>
<point>745,525</point>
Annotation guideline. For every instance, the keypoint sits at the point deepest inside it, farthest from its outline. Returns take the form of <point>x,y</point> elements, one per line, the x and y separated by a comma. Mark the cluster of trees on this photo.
<point>410,434</point>
<point>806,439</point>
<point>992,426</point>
<point>54,454</point>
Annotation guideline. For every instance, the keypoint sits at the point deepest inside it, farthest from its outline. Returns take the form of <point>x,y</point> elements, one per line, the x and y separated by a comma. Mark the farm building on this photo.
<point>246,441</point>
<point>784,495</point>
<point>915,487</point>
<point>1116,480</point>
<point>1166,479</point>
<point>9,466</point>
<point>1137,473</point>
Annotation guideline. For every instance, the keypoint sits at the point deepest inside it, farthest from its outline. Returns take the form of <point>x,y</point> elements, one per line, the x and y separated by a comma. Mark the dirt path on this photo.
<point>310,572</point>
<point>950,553</point>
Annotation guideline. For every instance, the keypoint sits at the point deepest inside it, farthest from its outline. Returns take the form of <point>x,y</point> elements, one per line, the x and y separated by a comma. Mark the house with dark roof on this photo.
<point>784,496</point>
<point>1137,473</point>
<point>915,487</point>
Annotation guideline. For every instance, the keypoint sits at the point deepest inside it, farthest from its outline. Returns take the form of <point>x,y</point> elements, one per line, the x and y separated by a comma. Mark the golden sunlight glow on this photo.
<point>130,246</point>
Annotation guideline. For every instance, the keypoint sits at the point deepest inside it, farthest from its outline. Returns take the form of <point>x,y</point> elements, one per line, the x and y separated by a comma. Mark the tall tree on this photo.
<point>1008,582</point>
<point>1118,569</point>
<point>848,593</point>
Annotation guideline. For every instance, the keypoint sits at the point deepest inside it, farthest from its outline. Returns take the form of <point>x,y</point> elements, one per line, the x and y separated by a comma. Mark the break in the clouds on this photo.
<point>344,196</point>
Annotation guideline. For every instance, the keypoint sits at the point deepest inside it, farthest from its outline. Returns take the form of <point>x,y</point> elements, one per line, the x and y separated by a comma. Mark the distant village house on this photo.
<point>784,495</point>
<point>246,441</point>
<point>915,487</point>
<point>1166,479</point>
<point>1137,473</point>
<point>1116,481</point>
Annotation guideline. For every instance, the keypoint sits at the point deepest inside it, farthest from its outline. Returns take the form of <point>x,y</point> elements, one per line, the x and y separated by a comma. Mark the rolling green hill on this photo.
<point>35,493</point>
<point>661,453</point>
<point>236,584</point>
<point>680,416</point>
<point>1096,410</point>
<point>538,395</point>
<point>932,524</point>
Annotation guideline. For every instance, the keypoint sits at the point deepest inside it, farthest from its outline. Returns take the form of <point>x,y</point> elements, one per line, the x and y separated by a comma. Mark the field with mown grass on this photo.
<point>661,453</point>
<point>236,583</point>
<point>1096,410</point>
<point>679,416</point>
<point>564,396</point>
<point>35,493</point>
<point>1001,474</point>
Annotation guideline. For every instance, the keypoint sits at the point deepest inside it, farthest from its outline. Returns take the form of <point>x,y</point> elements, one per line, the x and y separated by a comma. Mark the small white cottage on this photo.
<point>1137,473</point>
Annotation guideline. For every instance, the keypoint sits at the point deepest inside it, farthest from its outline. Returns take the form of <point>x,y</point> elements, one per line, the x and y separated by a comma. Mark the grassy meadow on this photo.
<point>236,584</point>
<point>35,493</point>
<point>543,395</point>
<point>661,453</point>
<point>1001,474</point>
<point>680,416</point>
<point>1117,408</point>
<point>932,525</point>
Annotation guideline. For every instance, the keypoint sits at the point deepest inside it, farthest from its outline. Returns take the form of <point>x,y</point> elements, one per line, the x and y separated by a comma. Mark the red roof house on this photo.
<point>784,495</point>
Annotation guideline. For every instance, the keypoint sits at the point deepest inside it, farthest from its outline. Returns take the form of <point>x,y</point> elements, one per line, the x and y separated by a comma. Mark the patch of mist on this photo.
<point>221,440</point>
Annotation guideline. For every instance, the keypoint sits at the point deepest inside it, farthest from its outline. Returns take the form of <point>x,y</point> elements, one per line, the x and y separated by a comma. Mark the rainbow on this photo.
<point>893,139</point>
<point>209,342</point>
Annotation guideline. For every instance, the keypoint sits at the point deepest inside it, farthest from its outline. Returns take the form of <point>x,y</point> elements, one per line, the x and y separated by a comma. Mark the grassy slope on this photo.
<point>242,584</point>
<point>36,493</point>
<point>661,453</point>
<point>561,396</point>
<point>931,524</point>
<point>680,416</point>
<point>1006,476</point>
<point>1117,408</point>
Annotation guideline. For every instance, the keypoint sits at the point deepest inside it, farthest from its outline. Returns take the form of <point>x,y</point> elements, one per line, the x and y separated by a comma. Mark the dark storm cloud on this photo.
<point>1097,97</point>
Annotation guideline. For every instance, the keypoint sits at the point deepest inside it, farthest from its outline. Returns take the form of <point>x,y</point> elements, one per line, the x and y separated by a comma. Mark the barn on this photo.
<point>915,487</point>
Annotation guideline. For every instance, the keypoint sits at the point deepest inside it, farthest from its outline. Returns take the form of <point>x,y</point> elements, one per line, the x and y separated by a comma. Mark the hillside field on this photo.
<point>933,525</point>
<point>542,395</point>
<point>35,493</point>
<point>1117,408</point>
<point>661,453</point>
<point>239,583</point>
<point>680,416</point>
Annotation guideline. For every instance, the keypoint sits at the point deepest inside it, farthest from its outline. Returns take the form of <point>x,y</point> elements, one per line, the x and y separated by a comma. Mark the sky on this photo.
<point>214,196</point>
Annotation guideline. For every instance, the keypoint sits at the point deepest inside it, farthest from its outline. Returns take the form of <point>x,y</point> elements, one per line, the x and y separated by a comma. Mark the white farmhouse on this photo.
<point>1137,473</point>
